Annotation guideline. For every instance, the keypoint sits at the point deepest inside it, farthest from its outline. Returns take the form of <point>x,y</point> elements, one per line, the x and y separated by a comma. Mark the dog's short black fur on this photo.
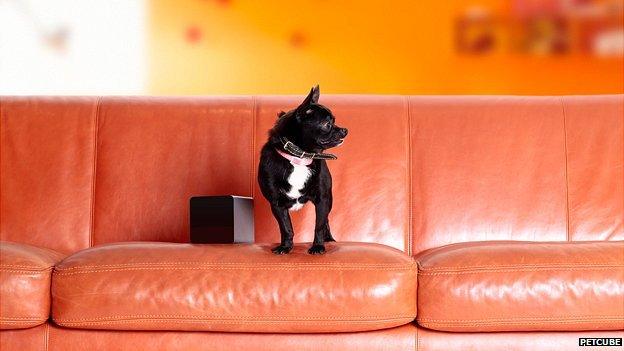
<point>312,128</point>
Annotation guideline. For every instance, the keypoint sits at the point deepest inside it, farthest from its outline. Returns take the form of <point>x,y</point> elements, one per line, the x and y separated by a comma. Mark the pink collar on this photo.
<point>294,159</point>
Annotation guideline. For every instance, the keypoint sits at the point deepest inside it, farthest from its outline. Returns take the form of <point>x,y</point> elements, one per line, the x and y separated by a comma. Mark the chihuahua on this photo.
<point>293,168</point>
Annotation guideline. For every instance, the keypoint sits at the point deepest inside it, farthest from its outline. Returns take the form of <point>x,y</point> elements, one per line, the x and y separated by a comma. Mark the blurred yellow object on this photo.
<point>398,47</point>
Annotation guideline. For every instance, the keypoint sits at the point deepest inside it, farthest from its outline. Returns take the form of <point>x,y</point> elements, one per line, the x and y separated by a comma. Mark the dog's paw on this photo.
<point>281,249</point>
<point>316,250</point>
<point>329,238</point>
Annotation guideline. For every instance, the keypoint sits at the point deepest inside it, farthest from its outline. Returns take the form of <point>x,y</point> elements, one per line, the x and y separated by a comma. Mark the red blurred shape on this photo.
<point>298,39</point>
<point>193,34</point>
<point>475,31</point>
<point>223,2</point>
<point>527,8</point>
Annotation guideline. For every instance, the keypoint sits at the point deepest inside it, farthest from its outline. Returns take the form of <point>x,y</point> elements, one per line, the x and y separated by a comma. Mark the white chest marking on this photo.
<point>296,207</point>
<point>297,180</point>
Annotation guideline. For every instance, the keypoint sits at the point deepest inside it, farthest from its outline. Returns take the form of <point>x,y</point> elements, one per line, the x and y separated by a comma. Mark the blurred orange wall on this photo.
<point>391,47</point>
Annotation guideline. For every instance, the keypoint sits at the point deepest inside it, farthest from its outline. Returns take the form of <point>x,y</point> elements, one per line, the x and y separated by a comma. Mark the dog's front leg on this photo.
<point>321,228</point>
<point>286,231</point>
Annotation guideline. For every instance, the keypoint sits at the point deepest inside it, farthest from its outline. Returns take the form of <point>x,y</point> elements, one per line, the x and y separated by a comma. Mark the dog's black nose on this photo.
<point>344,132</point>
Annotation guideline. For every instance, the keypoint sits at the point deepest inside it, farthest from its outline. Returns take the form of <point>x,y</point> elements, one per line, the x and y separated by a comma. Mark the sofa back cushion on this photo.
<point>153,154</point>
<point>487,168</point>
<point>595,167</point>
<point>414,172</point>
<point>47,154</point>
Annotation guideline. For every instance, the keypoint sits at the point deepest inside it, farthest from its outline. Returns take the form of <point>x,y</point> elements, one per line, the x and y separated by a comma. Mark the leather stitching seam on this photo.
<point>225,317</point>
<point>58,274</point>
<point>47,336</point>
<point>237,320</point>
<point>416,339</point>
<point>565,170</point>
<point>433,324</point>
<point>528,269</point>
<point>26,268</point>
<point>235,264</point>
<point>253,143</point>
<point>24,271</point>
<point>94,170</point>
<point>114,323</point>
<point>515,319</point>
<point>546,265</point>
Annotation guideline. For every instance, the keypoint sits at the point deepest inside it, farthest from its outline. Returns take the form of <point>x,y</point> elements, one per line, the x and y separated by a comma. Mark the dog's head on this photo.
<point>310,126</point>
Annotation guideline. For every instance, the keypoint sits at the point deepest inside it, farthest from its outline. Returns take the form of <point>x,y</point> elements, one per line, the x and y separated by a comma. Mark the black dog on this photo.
<point>293,170</point>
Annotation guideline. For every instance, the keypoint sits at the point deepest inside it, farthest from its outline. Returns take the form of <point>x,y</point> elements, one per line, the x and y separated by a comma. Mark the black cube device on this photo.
<point>221,219</point>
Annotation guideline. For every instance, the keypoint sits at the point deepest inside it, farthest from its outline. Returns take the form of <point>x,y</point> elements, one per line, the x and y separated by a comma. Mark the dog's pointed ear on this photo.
<point>315,93</point>
<point>280,114</point>
<point>312,98</point>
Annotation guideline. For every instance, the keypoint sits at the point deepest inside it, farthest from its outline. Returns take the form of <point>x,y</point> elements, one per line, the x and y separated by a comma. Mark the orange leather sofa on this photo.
<point>463,223</point>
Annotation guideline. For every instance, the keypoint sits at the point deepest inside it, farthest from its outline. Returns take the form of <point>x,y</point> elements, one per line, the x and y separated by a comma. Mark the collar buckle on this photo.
<point>296,151</point>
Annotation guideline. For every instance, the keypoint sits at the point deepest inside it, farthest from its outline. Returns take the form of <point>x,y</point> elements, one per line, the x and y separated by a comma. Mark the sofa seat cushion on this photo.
<point>235,288</point>
<point>522,286</point>
<point>25,274</point>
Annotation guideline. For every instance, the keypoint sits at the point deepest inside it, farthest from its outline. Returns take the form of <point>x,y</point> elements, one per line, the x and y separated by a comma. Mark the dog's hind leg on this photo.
<point>328,235</point>
<point>286,231</point>
<point>321,229</point>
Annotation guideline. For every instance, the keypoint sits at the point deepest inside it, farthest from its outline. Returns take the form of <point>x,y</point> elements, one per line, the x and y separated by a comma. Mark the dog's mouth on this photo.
<point>332,143</point>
